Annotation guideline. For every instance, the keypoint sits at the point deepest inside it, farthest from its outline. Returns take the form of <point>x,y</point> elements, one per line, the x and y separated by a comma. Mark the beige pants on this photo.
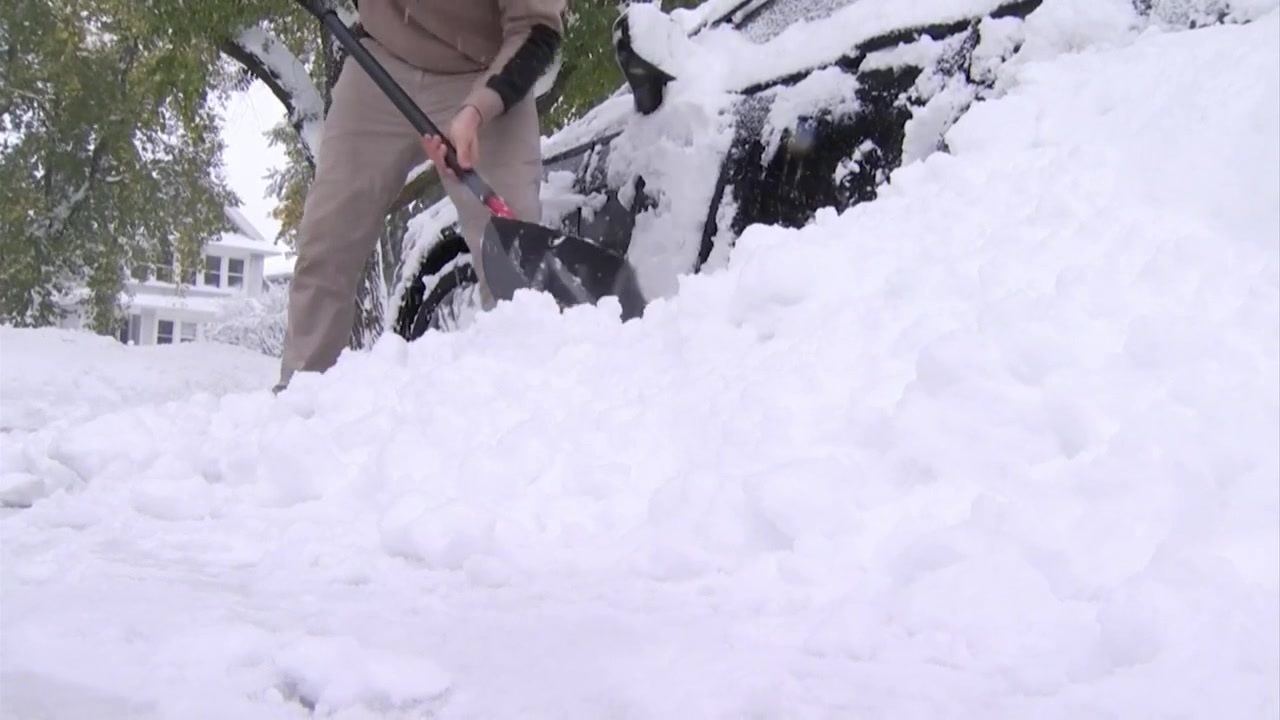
<point>368,149</point>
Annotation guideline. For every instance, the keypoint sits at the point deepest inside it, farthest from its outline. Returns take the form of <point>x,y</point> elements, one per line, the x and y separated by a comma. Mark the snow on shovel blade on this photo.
<point>519,255</point>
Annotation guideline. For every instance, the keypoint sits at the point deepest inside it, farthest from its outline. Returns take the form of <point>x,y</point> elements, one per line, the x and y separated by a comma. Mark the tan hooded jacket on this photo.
<point>510,42</point>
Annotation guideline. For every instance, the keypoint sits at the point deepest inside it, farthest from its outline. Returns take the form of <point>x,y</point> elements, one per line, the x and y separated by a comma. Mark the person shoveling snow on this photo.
<point>474,64</point>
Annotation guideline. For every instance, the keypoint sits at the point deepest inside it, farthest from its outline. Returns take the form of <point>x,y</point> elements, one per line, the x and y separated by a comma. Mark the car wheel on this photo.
<point>451,303</point>
<point>438,296</point>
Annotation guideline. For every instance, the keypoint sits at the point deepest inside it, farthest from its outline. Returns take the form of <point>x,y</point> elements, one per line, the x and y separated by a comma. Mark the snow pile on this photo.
<point>58,377</point>
<point>320,674</point>
<point>52,382</point>
<point>1000,443</point>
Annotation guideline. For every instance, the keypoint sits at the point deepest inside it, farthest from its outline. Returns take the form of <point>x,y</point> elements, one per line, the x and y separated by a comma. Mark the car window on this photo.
<point>569,161</point>
<point>761,21</point>
<point>605,218</point>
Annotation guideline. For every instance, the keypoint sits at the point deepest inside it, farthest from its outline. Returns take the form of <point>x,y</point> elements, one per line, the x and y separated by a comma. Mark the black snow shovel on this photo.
<point>514,255</point>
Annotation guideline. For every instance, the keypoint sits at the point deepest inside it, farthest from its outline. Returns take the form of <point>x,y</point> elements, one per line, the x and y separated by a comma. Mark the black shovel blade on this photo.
<point>519,255</point>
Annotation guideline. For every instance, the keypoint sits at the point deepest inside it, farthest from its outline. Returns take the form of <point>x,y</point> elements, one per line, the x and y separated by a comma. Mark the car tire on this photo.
<point>446,304</point>
<point>440,278</point>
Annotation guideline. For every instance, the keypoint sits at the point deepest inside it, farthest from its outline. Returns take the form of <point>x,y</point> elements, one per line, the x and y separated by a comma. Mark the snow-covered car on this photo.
<point>733,113</point>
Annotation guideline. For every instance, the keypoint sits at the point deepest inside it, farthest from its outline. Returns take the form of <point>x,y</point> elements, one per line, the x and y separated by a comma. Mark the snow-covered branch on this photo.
<point>347,13</point>
<point>53,225</point>
<point>56,222</point>
<point>271,61</point>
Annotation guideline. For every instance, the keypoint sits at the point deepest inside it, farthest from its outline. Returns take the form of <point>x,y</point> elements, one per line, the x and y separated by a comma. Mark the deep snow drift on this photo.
<point>1002,443</point>
<point>48,376</point>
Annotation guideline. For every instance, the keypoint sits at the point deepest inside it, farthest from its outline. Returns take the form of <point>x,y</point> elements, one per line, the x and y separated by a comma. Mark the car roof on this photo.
<point>756,20</point>
<point>761,20</point>
<point>797,36</point>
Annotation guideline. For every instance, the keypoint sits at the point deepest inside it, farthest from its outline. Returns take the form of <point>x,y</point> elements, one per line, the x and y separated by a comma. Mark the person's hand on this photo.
<point>464,132</point>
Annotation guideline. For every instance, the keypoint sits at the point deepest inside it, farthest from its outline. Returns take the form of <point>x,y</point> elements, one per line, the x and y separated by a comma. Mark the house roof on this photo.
<point>240,242</point>
<point>243,225</point>
<point>245,237</point>
<point>190,303</point>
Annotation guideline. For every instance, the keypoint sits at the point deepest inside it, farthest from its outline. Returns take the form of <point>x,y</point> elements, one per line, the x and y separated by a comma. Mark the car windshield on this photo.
<point>763,20</point>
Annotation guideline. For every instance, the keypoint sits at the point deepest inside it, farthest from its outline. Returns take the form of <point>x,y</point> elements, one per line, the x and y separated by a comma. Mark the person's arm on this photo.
<point>532,32</point>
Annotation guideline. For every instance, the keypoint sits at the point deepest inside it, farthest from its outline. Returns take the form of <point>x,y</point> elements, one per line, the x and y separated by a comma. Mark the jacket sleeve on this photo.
<point>532,32</point>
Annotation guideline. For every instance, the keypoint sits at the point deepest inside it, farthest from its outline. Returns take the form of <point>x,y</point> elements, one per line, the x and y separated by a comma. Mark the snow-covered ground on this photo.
<point>49,377</point>
<point>1000,444</point>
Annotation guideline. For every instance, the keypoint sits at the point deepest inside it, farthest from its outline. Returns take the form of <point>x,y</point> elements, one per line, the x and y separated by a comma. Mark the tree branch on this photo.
<point>274,64</point>
<point>55,225</point>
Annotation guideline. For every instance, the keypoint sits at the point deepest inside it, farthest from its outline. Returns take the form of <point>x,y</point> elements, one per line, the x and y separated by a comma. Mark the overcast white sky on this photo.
<point>248,156</point>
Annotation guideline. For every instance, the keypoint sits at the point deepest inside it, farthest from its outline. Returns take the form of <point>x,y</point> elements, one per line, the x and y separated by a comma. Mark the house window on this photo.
<point>235,272</point>
<point>164,332</point>
<point>188,332</point>
<point>163,267</point>
<point>213,270</point>
<point>131,330</point>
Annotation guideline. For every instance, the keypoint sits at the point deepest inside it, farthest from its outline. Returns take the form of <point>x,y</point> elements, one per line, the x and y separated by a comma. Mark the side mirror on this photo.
<point>642,45</point>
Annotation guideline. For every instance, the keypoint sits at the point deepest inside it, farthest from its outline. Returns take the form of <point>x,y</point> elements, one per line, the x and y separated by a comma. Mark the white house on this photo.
<point>161,310</point>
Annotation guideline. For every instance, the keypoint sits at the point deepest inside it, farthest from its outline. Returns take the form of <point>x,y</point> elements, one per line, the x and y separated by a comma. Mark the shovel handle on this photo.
<point>418,119</point>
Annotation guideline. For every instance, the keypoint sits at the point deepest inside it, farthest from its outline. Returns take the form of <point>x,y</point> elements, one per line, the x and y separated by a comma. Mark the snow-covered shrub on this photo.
<point>257,323</point>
